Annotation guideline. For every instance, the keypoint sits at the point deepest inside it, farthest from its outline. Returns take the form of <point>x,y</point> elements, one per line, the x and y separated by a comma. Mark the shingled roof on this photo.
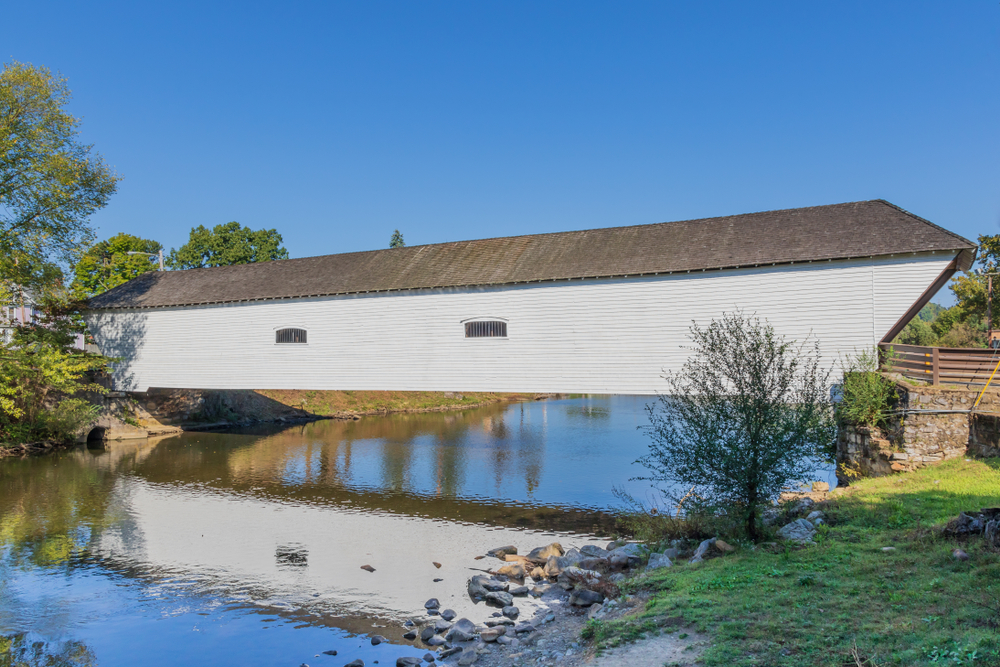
<point>838,231</point>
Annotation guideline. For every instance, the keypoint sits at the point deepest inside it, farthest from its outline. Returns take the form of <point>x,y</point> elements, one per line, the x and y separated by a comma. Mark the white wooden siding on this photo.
<point>581,336</point>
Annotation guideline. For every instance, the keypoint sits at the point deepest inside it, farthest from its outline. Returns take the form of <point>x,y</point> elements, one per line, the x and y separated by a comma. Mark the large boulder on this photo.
<point>585,598</point>
<point>658,561</point>
<point>542,554</point>
<point>480,585</point>
<point>699,553</point>
<point>500,599</point>
<point>593,551</point>
<point>632,552</point>
<point>800,531</point>
<point>576,575</point>
<point>512,570</point>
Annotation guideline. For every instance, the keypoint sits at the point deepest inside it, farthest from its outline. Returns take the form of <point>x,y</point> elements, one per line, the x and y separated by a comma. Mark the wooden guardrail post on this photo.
<point>935,366</point>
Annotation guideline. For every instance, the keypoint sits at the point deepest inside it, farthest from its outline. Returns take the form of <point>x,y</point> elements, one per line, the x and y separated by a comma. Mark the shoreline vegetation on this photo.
<point>887,579</point>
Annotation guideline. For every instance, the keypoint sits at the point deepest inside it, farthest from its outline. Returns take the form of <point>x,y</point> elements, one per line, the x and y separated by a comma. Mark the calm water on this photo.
<point>245,548</point>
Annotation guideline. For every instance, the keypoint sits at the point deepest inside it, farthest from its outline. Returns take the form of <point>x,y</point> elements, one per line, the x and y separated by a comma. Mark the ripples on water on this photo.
<point>245,548</point>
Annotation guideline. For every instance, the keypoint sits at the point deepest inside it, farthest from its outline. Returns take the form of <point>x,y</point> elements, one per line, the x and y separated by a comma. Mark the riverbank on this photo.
<point>350,404</point>
<point>882,585</point>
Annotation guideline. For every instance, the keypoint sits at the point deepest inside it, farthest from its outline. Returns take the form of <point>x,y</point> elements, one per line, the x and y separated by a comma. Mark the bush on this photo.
<point>866,395</point>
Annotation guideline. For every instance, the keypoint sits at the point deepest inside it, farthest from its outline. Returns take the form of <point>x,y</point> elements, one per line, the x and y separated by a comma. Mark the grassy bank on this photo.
<point>341,403</point>
<point>846,601</point>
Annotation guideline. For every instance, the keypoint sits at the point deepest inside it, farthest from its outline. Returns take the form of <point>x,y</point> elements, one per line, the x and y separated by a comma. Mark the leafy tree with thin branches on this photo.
<point>748,415</point>
<point>396,241</point>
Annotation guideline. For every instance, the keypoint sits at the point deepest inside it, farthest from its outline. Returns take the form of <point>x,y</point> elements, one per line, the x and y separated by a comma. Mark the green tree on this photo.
<point>397,240</point>
<point>227,244</point>
<point>748,414</point>
<point>916,332</point>
<point>107,264</point>
<point>50,182</point>
<point>970,289</point>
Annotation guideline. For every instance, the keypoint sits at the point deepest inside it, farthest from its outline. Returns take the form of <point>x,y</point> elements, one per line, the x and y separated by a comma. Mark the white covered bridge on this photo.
<point>597,311</point>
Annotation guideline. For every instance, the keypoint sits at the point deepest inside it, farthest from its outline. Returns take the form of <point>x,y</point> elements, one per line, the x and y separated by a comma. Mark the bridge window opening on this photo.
<point>486,329</point>
<point>290,337</point>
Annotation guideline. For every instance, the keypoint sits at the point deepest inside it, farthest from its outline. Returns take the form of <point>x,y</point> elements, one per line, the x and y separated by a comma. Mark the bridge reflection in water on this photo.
<point>278,522</point>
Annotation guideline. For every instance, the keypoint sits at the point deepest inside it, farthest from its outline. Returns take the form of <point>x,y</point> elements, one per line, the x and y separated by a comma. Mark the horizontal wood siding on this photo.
<point>587,336</point>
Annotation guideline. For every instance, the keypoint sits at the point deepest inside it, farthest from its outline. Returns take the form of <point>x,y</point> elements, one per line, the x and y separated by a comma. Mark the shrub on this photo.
<point>866,395</point>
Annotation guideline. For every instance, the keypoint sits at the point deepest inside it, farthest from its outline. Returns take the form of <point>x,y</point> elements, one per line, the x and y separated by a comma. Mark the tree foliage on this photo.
<point>107,264</point>
<point>747,415</point>
<point>970,289</point>
<point>227,244</point>
<point>50,182</point>
<point>396,241</point>
<point>41,375</point>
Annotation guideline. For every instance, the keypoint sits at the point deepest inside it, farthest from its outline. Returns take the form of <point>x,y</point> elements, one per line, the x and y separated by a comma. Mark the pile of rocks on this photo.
<point>985,522</point>
<point>802,520</point>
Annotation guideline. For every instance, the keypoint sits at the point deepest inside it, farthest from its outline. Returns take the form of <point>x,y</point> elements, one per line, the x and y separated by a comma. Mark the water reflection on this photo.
<point>184,547</point>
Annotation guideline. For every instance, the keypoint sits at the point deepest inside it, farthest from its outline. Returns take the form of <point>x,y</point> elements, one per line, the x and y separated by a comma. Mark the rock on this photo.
<point>657,561</point>
<point>500,552</point>
<point>468,657</point>
<point>427,633</point>
<point>356,663</point>
<point>724,547</point>
<point>553,566</point>
<point>448,652</point>
<point>433,612</point>
<point>436,640</point>
<point>512,570</point>
<point>815,516</point>
<point>441,625</point>
<point>429,657</point>
<point>519,591</point>
<point>576,575</point>
<point>438,566</point>
<point>407,662</point>
<point>585,598</point>
<point>432,604</point>
<point>511,612</point>
<point>494,622</point>
<point>538,574</point>
<point>505,640</point>
<point>541,554</point>
<point>699,553</point>
<point>799,530</point>
<point>499,599</point>
<point>491,634</point>
<point>958,554</point>
<point>595,564</point>
<point>456,635</point>
<point>369,568</point>
<point>594,610</point>
<point>571,558</point>
<point>377,639</point>
<point>437,580</point>
<point>408,623</point>
<point>888,549</point>
<point>448,614</point>
<point>465,625</point>
<point>329,653</point>
<point>632,552</point>
<point>616,578</point>
<point>992,533</point>
<point>524,627</point>
<point>614,545</point>
<point>593,551</point>
<point>410,635</point>
<point>820,487</point>
<point>480,585</point>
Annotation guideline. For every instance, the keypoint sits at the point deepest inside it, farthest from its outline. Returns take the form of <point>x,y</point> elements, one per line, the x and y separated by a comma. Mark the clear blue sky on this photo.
<point>336,122</point>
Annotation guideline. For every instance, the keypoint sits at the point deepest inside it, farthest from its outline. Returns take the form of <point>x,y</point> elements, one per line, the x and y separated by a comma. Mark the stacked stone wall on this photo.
<point>924,432</point>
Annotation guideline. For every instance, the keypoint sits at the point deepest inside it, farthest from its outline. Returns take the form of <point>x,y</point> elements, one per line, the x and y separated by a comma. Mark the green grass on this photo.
<point>915,605</point>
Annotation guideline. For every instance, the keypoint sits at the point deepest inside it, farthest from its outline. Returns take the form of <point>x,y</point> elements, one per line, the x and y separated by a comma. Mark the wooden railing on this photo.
<point>949,365</point>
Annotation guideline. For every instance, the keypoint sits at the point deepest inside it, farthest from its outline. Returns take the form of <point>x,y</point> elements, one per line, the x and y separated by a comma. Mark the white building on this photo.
<point>597,311</point>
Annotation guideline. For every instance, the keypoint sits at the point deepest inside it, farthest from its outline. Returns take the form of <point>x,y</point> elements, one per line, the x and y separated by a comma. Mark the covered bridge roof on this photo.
<point>838,231</point>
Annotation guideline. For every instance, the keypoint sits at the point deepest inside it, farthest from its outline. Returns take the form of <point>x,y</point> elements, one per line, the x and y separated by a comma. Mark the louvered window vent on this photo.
<point>290,336</point>
<point>486,329</point>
